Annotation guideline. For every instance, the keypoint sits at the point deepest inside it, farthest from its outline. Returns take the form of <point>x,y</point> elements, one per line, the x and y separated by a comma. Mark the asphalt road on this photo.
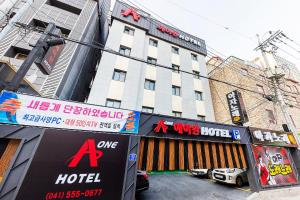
<point>187,187</point>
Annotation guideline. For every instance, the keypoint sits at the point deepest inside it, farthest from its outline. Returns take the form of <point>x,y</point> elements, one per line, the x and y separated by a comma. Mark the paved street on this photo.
<point>184,186</point>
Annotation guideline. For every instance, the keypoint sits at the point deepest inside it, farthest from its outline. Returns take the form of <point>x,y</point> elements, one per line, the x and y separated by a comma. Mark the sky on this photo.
<point>230,26</point>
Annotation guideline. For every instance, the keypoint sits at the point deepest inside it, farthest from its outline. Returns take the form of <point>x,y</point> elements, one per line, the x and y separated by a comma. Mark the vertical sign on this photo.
<point>237,108</point>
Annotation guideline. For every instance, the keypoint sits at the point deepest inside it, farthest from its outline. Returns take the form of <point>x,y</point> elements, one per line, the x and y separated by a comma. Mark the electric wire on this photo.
<point>134,58</point>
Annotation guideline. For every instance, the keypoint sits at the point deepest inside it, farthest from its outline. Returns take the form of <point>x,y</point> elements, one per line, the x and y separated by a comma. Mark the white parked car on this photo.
<point>230,175</point>
<point>201,172</point>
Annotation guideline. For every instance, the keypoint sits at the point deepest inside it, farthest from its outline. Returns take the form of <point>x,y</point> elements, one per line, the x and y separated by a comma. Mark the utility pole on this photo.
<point>36,55</point>
<point>275,76</point>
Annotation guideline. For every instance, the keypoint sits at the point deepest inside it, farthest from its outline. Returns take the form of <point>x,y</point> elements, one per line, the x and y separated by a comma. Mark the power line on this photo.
<point>212,21</point>
<point>168,22</point>
<point>133,58</point>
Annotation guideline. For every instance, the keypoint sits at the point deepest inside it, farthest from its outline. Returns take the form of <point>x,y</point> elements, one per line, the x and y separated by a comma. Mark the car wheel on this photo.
<point>209,174</point>
<point>239,181</point>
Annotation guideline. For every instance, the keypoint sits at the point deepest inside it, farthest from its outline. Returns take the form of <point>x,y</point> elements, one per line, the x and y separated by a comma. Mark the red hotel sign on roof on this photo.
<point>132,12</point>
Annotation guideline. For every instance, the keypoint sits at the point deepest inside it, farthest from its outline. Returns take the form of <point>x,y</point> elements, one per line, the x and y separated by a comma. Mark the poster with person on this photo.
<point>274,166</point>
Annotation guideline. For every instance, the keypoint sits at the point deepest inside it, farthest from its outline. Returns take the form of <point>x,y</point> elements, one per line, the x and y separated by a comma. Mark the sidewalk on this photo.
<point>292,193</point>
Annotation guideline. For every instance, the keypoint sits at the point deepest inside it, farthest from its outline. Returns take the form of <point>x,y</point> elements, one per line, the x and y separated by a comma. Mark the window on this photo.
<point>292,120</point>
<point>149,85</point>
<point>21,56</point>
<point>295,101</point>
<point>262,77</point>
<point>153,42</point>
<point>175,68</point>
<point>296,89</point>
<point>113,103</point>
<point>147,109</point>
<point>201,117</point>
<point>119,75</point>
<point>196,74</point>
<point>175,50</point>
<point>198,95</point>
<point>175,90</point>
<point>176,114</point>
<point>260,89</point>
<point>194,57</point>
<point>129,31</point>
<point>152,60</point>
<point>124,50</point>
<point>244,72</point>
<point>271,116</point>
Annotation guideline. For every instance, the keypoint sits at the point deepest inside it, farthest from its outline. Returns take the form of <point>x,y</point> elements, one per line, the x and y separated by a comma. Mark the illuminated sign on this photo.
<point>275,138</point>
<point>73,165</point>
<point>237,108</point>
<point>194,130</point>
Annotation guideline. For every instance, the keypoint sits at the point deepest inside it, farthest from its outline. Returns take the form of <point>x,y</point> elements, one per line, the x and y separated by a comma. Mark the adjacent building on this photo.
<point>123,82</point>
<point>84,20</point>
<point>262,112</point>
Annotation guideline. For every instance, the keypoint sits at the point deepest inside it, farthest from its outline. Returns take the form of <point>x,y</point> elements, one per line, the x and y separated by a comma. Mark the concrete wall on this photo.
<point>132,94</point>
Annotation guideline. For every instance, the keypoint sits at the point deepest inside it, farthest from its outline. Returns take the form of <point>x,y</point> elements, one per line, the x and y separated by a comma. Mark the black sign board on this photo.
<point>160,126</point>
<point>76,165</point>
<point>237,108</point>
<point>270,137</point>
<point>50,58</point>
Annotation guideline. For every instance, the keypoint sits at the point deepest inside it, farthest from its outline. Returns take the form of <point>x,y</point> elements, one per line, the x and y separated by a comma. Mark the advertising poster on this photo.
<point>274,166</point>
<point>36,111</point>
<point>73,165</point>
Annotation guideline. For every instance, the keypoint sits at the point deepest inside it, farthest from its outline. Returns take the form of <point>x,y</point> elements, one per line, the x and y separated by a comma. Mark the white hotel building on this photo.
<point>125,83</point>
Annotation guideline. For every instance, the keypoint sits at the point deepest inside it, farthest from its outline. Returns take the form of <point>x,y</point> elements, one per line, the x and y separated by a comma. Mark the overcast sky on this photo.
<point>230,26</point>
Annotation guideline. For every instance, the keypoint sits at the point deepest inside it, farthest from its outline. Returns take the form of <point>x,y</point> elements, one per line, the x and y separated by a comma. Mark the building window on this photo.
<point>175,50</point>
<point>153,42</point>
<point>128,30</point>
<point>244,72</point>
<point>113,103</point>
<point>119,75</point>
<point>194,57</point>
<point>124,50</point>
<point>260,89</point>
<point>175,68</point>
<point>199,96</point>
<point>175,90</point>
<point>271,116</point>
<point>152,60</point>
<point>176,114</point>
<point>196,74</point>
<point>149,85</point>
<point>147,109</point>
<point>201,117</point>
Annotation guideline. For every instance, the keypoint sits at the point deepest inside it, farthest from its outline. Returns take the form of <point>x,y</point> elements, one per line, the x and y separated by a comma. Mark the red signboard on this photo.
<point>130,11</point>
<point>274,166</point>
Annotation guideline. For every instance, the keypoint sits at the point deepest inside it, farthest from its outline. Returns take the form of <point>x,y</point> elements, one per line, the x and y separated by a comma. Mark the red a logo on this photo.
<point>89,148</point>
<point>131,11</point>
